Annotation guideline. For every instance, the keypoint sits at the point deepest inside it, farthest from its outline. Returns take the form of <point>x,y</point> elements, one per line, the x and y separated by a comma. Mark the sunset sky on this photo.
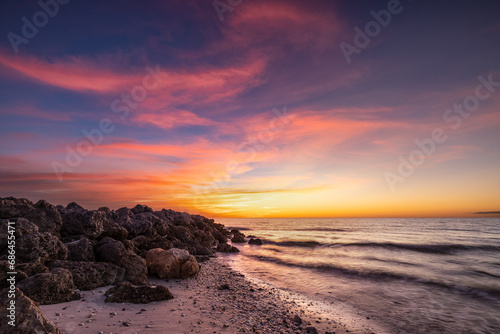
<point>253,110</point>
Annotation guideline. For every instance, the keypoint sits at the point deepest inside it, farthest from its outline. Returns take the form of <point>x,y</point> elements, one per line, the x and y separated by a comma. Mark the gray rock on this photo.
<point>78,221</point>
<point>81,249</point>
<point>29,317</point>
<point>90,275</point>
<point>50,288</point>
<point>42,214</point>
<point>21,227</point>
<point>125,292</point>
<point>40,247</point>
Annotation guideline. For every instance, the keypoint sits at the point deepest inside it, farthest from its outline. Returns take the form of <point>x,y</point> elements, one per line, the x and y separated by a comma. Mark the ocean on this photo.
<point>412,275</point>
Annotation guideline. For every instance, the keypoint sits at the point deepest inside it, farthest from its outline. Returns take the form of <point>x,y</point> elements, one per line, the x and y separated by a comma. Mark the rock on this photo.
<point>78,221</point>
<point>125,292</point>
<point>110,250</point>
<point>311,330</point>
<point>204,238</point>
<point>135,266</point>
<point>224,287</point>
<point>140,224</point>
<point>238,237</point>
<point>42,214</point>
<point>255,241</point>
<point>183,234</point>
<point>90,275</point>
<point>4,269</point>
<point>172,263</point>
<point>226,248</point>
<point>141,209</point>
<point>29,318</point>
<point>161,242</point>
<point>113,230</point>
<point>40,247</point>
<point>296,319</point>
<point>50,288</point>
<point>21,227</point>
<point>81,249</point>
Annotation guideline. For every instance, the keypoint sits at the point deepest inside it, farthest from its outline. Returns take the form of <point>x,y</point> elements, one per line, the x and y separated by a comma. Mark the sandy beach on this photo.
<point>204,304</point>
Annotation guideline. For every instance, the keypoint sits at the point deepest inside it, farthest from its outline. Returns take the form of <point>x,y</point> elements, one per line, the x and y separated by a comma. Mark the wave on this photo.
<point>238,228</point>
<point>323,229</point>
<point>380,275</point>
<point>294,243</point>
<point>426,248</point>
<point>421,248</point>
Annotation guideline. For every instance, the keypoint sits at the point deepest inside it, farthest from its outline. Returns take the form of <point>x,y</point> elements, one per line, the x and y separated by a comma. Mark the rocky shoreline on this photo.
<point>72,262</point>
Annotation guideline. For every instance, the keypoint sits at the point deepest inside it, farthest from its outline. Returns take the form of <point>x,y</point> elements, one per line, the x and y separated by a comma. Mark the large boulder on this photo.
<point>80,248</point>
<point>50,288</point>
<point>110,250</point>
<point>172,263</point>
<point>28,317</point>
<point>91,275</point>
<point>125,292</point>
<point>78,221</point>
<point>135,267</point>
<point>42,214</point>
<point>40,247</point>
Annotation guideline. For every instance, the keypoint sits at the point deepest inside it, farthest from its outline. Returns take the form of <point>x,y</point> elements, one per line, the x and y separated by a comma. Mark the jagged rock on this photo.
<point>50,288</point>
<point>110,250</point>
<point>139,208</point>
<point>136,269</point>
<point>238,237</point>
<point>181,218</point>
<point>113,230</point>
<point>125,292</point>
<point>29,318</point>
<point>90,275</point>
<point>42,214</point>
<point>78,221</point>
<point>255,241</point>
<point>183,234</point>
<point>22,270</point>
<point>172,263</point>
<point>204,238</point>
<point>220,236</point>
<point>40,247</point>
<point>226,248</point>
<point>163,243</point>
<point>81,249</point>
<point>21,227</point>
<point>140,224</point>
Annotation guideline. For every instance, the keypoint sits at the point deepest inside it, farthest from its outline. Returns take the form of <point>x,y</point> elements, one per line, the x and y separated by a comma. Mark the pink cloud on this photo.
<point>73,73</point>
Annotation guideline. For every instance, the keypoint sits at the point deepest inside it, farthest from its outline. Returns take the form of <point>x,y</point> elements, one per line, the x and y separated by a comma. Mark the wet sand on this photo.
<point>217,300</point>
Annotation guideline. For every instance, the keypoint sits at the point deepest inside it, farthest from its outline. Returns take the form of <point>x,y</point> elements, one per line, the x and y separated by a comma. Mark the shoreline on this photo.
<point>202,304</point>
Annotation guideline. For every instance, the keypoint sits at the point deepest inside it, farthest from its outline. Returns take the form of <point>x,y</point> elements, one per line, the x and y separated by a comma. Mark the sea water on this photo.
<point>413,275</point>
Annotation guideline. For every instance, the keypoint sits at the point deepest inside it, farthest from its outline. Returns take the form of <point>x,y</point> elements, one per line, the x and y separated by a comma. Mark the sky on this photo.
<point>253,108</point>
